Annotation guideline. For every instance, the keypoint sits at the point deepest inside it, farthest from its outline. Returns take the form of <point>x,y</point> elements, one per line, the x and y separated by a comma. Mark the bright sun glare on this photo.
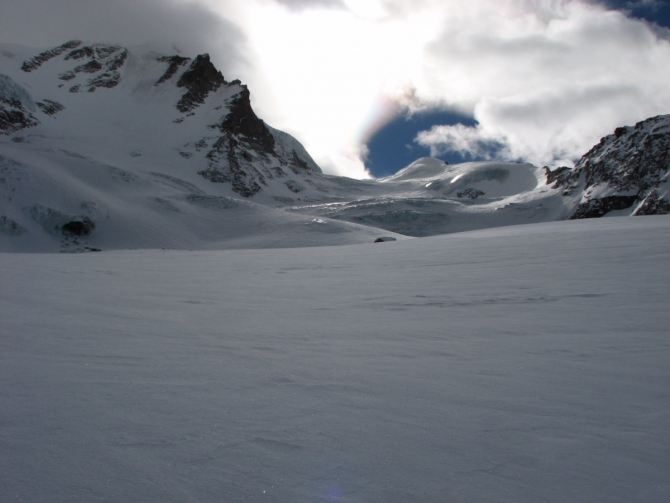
<point>332,69</point>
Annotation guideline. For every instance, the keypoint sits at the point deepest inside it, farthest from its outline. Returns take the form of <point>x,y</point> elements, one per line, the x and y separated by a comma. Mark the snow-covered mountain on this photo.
<point>110,147</point>
<point>107,147</point>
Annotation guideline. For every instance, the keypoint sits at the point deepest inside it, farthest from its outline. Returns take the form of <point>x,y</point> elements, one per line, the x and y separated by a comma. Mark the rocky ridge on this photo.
<point>627,170</point>
<point>240,151</point>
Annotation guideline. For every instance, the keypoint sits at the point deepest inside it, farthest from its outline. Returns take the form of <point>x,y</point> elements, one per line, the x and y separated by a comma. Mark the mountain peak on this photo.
<point>200,79</point>
<point>627,170</point>
<point>243,153</point>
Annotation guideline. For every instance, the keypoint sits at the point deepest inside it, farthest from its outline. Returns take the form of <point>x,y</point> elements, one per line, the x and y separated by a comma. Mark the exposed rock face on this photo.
<point>14,116</point>
<point>50,107</point>
<point>628,169</point>
<point>78,227</point>
<point>470,193</point>
<point>653,205</point>
<point>37,61</point>
<point>175,62</point>
<point>16,105</point>
<point>200,79</point>
<point>103,60</point>
<point>247,153</point>
<point>596,208</point>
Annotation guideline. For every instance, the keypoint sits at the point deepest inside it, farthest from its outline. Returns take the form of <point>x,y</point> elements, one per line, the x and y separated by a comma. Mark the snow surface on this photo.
<point>518,364</point>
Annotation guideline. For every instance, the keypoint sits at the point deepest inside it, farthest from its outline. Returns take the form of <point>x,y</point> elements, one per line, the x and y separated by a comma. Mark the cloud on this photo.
<point>545,80</point>
<point>299,5</point>
<point>192,27</point>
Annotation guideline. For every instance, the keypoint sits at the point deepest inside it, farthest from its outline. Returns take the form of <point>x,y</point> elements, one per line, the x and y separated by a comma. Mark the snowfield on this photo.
<point>516,364</point>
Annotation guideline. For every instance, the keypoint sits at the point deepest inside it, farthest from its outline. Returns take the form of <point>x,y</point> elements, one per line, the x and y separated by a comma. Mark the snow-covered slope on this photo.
<point>518,364</point>
<point>106,147</point>
<point>429,197</point>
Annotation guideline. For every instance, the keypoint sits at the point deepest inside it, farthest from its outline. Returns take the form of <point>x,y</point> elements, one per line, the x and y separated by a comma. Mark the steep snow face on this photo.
<point>627,170</point>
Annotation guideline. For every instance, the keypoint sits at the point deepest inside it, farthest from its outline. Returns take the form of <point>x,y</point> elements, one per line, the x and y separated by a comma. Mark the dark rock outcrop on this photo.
<point>40,59</point>
<point>653,205</point>
<point>628,167</point>
<point>555,175</point>
<point>50,107</point>
<point>14,116</point>
<point>245,143</point>
<point>470,193</point>
<point>81,227</point>
<point>103,64</point>
<point>200,79</point>
<point>174,63</point>
<point>596,208</point>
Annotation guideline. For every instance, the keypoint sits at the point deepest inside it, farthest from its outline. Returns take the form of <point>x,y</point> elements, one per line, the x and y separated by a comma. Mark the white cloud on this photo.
<point>544,78</point>
<point>311,4</point>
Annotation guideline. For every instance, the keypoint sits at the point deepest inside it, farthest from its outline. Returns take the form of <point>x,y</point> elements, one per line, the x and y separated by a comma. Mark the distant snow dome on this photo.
<point>424,167</point>
<point>495,179</point>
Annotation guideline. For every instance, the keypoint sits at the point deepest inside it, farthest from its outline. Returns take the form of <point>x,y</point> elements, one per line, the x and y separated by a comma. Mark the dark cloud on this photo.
<point>192,28</point>
<point>297,5</point>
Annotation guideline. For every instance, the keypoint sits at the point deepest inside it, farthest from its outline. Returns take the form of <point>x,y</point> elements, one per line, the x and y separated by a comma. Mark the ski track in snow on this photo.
<point>516,364</point>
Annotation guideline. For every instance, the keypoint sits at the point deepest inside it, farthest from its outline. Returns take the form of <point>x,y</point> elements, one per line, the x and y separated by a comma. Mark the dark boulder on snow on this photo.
<point>82,227</point>
<point>470,193</point>
<point>384,239</point>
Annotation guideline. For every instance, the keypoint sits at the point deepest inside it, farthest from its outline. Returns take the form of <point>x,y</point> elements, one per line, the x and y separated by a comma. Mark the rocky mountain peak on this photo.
<point>627,169</point>
<point>200,79</point>
<point>237,148</point>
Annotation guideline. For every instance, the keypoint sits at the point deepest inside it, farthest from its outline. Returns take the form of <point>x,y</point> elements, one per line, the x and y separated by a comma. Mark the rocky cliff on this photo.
<point>627,170</point>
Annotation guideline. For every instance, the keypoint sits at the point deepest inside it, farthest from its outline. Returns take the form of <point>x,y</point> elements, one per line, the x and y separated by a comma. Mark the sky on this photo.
<point>368,86</point>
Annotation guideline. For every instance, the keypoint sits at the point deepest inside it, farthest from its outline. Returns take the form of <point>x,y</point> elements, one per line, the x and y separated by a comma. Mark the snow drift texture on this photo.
<point>518,364</point>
